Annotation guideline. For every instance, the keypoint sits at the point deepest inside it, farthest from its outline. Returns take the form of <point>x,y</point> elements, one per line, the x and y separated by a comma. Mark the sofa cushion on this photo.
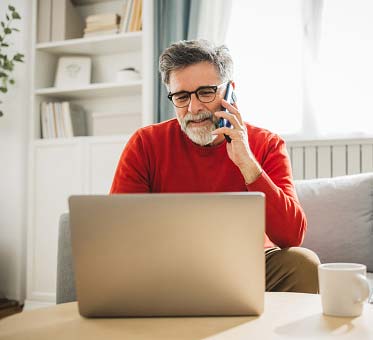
<point>339,211</point>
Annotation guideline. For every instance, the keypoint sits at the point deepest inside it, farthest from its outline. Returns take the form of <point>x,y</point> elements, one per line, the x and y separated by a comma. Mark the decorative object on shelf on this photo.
<point>7,62</point>
<point>73,72</point>
<point>128,74</point>
<point>101,24</point>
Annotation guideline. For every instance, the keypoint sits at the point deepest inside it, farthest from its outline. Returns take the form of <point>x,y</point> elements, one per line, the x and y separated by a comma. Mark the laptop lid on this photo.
<point>168,254</point>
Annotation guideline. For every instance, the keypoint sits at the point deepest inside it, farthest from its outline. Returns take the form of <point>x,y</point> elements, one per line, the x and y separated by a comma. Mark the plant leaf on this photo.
<point>18,57</point>
<point>11,8</point>
<point>4,45</point>
<point>15,15</point>
<point>11,81</point>
<point>3,89</point>
<point>7,30</point>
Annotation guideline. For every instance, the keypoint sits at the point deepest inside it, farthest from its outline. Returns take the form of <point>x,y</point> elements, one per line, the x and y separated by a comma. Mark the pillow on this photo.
<point>339,212</point>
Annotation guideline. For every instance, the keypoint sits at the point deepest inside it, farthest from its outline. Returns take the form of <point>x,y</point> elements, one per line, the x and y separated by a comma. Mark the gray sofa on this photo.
<point>340,226</point>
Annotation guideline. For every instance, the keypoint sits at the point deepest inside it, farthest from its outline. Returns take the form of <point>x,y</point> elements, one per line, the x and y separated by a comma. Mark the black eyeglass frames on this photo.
<point>205,94</point>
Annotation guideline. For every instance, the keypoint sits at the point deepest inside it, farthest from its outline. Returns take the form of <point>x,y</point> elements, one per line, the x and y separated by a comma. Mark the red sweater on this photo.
<point>161,158</point>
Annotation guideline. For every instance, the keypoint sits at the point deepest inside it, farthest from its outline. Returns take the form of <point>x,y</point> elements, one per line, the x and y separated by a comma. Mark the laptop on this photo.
<point>139,255</point>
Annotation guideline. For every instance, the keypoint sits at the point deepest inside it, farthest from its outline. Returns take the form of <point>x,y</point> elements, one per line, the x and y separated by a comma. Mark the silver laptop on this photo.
<point>168,254</point>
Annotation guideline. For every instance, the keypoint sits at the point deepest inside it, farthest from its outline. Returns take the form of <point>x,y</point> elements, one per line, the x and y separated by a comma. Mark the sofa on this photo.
<point>339,211</point>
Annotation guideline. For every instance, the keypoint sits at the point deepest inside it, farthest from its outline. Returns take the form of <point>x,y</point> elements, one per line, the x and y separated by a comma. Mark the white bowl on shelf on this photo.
<point>128,74</point>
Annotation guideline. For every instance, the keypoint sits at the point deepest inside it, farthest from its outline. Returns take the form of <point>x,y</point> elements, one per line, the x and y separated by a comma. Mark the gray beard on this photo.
<point>199,135</point>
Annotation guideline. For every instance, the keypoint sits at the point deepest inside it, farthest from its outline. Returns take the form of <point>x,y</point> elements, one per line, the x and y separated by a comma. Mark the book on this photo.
<point>74,119</point>
<point>43,120</point>
<point>98,28</point>
<point>138,24</point>
<point>106,18</point>
<point>66,21</point>
<point>132,22</point>
<point>126,11</point>
<point>44,20</point>
<point>57,119</point>
<point>51,121</point>
<point>99,33</point>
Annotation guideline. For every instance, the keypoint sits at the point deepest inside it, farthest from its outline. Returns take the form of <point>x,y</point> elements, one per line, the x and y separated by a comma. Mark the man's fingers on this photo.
<point>232,109</point>
<point>232,119</point>
<point>232,133</point>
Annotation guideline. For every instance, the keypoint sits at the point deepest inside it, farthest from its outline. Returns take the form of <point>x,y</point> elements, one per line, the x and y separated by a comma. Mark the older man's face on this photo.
<point>197,119</point>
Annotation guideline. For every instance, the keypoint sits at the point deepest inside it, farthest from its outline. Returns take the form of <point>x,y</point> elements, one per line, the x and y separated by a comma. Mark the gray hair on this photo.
<point>189,52</point>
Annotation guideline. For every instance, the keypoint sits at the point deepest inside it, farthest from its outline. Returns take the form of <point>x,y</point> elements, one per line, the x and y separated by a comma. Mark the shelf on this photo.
<point>88,2</point>
<point>79,139</point>
<point>93,90</point>
<point>100,45</point>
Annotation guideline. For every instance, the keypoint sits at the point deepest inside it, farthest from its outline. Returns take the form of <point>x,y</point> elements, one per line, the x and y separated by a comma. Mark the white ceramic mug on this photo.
<point>343,288</point>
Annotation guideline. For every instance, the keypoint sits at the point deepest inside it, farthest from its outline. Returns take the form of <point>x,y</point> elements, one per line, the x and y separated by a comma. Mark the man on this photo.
<point>190,154</point>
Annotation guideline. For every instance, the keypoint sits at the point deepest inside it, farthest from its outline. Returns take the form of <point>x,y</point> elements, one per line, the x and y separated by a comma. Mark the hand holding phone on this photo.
<point>230,98</point>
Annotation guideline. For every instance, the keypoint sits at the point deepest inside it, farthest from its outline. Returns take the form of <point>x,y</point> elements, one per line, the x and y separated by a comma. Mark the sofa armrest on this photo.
<point>65,291</point>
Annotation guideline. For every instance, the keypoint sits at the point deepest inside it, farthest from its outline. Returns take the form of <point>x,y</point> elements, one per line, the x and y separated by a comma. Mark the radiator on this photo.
<point>330,158</point>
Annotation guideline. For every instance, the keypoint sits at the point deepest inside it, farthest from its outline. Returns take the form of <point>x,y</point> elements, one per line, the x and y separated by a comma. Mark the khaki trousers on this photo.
<point>291,270</point>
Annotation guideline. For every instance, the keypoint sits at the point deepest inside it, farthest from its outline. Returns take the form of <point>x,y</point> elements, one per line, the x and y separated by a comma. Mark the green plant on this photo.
<point>6,61</point>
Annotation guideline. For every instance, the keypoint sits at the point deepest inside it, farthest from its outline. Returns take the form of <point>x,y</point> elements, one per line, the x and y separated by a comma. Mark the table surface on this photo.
<point>286,316</point>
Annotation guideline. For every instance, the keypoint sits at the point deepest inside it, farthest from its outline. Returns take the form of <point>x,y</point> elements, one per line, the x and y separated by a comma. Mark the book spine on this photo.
<point>51,121</point>
<point>133,16</point>
<point>67,119</point>
<point>74,23</point>
<point>59,121</point>
<point>128,16</point>
<point>139,17</point>
<point>43,120</point>
<point>78,118</point>
<point>62,120</point>
<point>44,20</point>
<point>123,15</point>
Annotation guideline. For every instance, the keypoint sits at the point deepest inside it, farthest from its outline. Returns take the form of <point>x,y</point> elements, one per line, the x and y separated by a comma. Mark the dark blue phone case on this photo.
<point>230,98</point>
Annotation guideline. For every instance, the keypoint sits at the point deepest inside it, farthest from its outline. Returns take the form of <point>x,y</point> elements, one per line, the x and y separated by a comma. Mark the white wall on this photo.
<point>13,160</point>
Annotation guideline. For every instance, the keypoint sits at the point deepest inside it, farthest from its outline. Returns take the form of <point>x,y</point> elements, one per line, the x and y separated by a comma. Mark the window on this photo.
<point>304,68</point>
<point>344,79</point>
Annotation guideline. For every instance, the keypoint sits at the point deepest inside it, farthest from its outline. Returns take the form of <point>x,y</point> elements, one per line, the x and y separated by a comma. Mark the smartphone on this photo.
<point>230,98</point>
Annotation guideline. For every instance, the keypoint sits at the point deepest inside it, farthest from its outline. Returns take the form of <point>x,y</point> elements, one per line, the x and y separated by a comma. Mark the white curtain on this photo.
<point>266,41</point>
<point>343,101</point>
<point>311,20</point>
<point>304,68</point>
<point>212,20</point>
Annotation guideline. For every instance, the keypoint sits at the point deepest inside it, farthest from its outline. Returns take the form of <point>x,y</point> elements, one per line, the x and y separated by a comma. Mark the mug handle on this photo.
<point>364,288</point>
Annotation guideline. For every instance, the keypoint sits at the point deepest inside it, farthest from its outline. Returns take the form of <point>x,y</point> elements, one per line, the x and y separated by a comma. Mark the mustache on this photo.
<point>189,117</point>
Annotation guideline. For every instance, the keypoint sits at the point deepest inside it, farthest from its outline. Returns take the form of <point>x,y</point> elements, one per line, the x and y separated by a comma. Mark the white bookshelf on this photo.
<point>93,91</point>
<point>61,167</point>
<point>100,45</point>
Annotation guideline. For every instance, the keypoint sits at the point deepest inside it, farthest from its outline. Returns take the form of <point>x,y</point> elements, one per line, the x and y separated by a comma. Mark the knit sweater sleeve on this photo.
<point>132,173</point>
<point>285,220</point>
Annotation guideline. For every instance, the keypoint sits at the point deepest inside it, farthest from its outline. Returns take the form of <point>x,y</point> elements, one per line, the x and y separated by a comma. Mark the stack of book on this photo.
<point>131,16</point>
<point>62,120</point>
<point>58,20</point>
<point>101,24</point>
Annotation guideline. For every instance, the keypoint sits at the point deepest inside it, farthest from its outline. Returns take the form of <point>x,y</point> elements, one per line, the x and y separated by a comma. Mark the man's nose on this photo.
<point>195,105</point>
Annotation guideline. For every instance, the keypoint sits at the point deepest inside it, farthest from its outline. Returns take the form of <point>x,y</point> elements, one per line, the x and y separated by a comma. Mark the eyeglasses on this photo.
<point>205,94</point>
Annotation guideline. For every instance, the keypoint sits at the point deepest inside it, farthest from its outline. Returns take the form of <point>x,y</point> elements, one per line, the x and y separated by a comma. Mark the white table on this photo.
<point>286,316</point>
